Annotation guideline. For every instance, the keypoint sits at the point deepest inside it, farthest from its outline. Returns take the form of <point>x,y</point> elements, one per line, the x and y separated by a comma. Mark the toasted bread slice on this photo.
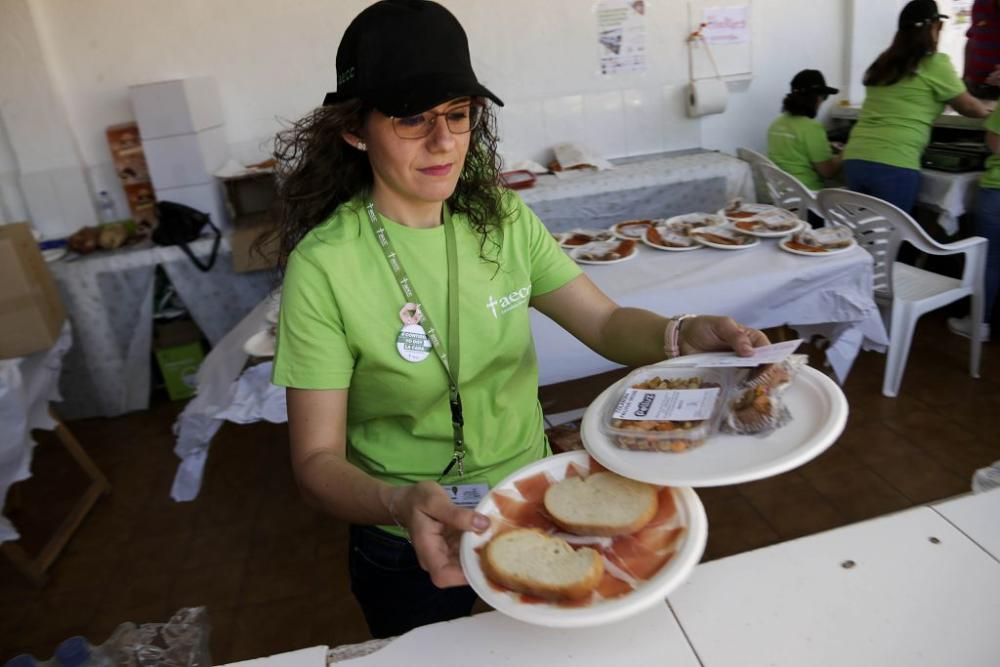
<point>602,504</point>
<point>529,561</point>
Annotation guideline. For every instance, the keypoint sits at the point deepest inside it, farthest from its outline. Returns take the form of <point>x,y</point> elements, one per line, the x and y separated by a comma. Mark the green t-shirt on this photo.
<point>991,179</point>
<point>340,318</point>
<point>796,143</point>
<point>895,123</point>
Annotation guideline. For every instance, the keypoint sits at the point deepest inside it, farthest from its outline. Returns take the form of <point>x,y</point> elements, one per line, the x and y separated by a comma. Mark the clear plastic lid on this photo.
<point>668,409</point>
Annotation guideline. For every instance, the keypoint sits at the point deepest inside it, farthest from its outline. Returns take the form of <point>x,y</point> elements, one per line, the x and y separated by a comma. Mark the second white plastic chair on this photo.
<point>904,292</point>
<point>788,192</point>
<point>755,160</point>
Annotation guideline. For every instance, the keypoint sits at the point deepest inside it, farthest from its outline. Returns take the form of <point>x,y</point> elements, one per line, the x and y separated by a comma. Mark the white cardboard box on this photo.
<point>178,106</point>
<point>186,159</point>
<point>206,198</point>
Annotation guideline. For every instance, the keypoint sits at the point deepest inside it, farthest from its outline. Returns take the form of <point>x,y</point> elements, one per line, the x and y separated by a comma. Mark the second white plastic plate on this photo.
<point>819,414</point>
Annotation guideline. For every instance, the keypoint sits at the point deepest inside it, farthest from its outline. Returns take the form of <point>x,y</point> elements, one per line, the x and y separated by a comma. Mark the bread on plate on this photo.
<point>603,504</point>
<point>527,560</point>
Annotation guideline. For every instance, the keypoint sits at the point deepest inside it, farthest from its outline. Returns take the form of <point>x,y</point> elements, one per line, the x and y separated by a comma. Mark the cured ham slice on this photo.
<point>667,508</point>
<point>523,514</point>
<point>533,488</point>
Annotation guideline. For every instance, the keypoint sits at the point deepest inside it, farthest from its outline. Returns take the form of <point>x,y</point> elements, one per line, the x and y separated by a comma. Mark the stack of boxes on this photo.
<point>184,140</point>
<point>130,165</point>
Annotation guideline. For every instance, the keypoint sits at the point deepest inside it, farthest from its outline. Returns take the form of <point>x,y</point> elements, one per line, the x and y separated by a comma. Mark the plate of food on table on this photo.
<point>631,230</point>
<point>572,544</point>
<point>723,237</point>
<point>605,252</point>
<point>674,234</point>
<point>819,242</point>
<point>714,419</point>
<point>761,220</point>
<point>581,237</point>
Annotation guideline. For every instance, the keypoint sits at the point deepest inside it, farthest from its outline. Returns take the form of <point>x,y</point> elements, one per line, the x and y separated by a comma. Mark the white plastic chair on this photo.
<point>755,159</point>
<point>904,292</point>
<point>788,192</point>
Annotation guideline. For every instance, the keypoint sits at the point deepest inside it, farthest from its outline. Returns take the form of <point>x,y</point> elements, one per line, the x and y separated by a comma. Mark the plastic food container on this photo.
<point>518,179</point>
<point>667,409</point>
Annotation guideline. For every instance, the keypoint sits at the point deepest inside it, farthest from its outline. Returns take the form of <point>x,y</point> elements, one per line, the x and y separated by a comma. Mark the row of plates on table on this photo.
<point>819,411</point>
<point>718,223</point>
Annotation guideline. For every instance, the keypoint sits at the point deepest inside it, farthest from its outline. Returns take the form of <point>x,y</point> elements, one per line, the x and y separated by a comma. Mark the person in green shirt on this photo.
<point>906,89</point>
<point>796,141</point>
<point>404,339</point>
<point>988,226</point>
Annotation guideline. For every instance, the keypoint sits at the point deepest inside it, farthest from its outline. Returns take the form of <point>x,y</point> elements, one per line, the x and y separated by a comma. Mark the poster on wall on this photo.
<point>621,36</point>
<point>726,25</point>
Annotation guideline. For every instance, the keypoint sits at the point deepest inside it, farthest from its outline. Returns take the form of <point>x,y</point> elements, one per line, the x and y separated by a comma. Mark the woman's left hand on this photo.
<point>710,333</point>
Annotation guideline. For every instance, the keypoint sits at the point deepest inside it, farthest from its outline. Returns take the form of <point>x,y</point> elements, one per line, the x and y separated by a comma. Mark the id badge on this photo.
<point>467,495</point>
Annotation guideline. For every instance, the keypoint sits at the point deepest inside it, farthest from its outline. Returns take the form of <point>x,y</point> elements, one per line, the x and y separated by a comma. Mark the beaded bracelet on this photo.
<point>672,336</point>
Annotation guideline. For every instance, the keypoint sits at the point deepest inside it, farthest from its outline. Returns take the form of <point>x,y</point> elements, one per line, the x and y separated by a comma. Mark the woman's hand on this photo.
<point>709,333</point>
<point>435,525</point>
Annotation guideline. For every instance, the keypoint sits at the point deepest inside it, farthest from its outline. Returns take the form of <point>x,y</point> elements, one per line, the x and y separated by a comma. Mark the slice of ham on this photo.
<point>523,514</point>
<point>533,488</point>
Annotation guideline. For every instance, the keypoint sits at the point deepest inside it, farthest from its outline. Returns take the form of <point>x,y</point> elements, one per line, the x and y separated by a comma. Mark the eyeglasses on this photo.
<point>461,120</point>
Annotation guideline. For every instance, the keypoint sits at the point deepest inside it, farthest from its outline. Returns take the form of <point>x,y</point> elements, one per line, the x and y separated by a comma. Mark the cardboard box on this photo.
<point>124,140</point>
<point>249,194</point>
<point>30,308</point>
<point>178,106</point>
<point>178,351</point>
<point>142,204</point>
<point>241,243</point>
<point>206,198</point>
<point>186,159</point>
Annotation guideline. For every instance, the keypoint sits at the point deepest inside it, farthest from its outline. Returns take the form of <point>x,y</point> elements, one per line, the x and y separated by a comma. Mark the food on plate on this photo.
<point>761,225</point>
<point>820,240</point>
<point>665,238</point>
<point>603,504</point>
<point>757,407</point>
<point>526,560</point>
<point>607,252</point>
<point>662,435</point>
<point>632,229</point>
<point>722,236</point>
<point>579,238</point>
<point>628,560</point>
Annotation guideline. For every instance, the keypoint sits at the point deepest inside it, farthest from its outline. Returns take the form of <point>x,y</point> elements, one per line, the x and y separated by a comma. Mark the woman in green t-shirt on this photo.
<point>796,141</point>
<point>390,190</point>
<point>906,89</point>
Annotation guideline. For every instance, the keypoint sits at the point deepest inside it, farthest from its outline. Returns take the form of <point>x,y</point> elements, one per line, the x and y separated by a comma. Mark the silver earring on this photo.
<point>361,146</point>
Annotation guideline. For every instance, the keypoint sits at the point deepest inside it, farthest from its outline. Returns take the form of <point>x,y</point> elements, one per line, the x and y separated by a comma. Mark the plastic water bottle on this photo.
<point>77,652</point>
<point>106,207</point>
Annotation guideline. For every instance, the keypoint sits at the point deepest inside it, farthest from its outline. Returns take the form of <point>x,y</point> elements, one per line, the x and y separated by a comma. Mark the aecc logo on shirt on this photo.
<point>508,302</point>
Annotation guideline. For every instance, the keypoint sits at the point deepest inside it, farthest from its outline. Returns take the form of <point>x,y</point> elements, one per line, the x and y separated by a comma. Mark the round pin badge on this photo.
<point>413,343</point>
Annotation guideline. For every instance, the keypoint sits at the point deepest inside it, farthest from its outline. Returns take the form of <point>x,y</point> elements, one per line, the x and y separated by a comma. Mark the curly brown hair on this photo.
<point>317,171</point>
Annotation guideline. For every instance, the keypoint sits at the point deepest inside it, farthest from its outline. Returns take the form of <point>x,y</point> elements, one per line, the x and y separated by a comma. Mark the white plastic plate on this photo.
<point>576,252</point>
<point>689,549</point>
<point>700,238</point>
<point>825,253</point>
<point>819,414</point>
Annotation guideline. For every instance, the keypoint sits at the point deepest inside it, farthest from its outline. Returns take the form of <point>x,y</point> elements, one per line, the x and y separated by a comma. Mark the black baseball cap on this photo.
<point>812,81</point>
<point>403,57</point>
<point>918,12</point>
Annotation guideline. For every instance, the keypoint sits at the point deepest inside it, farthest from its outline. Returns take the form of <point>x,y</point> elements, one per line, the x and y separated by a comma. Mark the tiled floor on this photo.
<point>273,573</point>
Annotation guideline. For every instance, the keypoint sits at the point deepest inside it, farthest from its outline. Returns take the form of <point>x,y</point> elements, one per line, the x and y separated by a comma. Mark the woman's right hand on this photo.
<point>435,525</point>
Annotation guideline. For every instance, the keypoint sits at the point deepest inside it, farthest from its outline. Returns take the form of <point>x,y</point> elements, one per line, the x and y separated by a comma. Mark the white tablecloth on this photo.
<point>650,186</point>
<point>27,386</point>
<point>109,299</point>
<point>952,195</point>
<point>762,287</point>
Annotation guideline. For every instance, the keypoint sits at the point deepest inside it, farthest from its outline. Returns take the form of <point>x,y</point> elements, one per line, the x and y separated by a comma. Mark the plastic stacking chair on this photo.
<point>904,292</point>
<point>788,192</point>
<point>755,159</point>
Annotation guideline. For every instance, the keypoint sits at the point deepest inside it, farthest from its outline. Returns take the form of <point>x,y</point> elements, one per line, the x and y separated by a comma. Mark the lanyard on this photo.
<point>450,357</point>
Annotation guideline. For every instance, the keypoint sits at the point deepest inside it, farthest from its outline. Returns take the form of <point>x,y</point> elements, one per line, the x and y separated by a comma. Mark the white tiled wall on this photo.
<point>614,123</point>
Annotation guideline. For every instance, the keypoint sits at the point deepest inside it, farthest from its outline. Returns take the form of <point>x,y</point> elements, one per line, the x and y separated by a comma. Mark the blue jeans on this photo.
<point>988,225</point>
<point>895,185</point>
<point>395,593</point>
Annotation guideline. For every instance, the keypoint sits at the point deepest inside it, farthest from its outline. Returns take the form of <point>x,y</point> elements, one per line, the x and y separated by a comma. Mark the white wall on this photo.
<point>276,60</point>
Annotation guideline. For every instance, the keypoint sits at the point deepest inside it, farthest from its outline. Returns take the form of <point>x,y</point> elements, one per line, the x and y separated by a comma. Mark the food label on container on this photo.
<point>667,404</point>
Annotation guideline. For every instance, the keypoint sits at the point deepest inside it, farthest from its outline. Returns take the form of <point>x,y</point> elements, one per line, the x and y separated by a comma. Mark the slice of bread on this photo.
<point>529,561</point>
<point>603,504</point>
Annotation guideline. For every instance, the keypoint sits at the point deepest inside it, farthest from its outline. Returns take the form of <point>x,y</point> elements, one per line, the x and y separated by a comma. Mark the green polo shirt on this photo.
<point>796,143</point>
<point>895,123</point>
<point>991,179</point>
<point>340,320</point>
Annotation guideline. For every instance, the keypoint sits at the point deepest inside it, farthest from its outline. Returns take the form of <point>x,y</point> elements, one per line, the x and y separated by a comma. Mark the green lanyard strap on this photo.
<point>450,357</point>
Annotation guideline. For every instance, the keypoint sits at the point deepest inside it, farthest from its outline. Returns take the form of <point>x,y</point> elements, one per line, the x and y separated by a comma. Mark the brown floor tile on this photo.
<point>338,623</point>
<point>265,629</point>
<point>734,527</point>
<point>859,494</point>
<point>921,479</point>
<point>791,506</point>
